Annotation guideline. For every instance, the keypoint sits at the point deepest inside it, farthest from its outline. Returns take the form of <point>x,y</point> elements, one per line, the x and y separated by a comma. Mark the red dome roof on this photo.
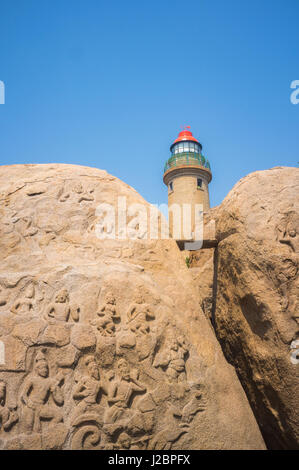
<point>185,136</point>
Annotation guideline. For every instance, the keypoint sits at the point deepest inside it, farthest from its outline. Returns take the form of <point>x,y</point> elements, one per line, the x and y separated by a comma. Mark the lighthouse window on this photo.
<point>185,147</point>
<point>199,183</point>
<point>171,186</point>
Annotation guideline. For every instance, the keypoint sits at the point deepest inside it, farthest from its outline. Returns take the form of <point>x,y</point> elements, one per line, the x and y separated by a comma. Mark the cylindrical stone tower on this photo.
<point>187,175</point>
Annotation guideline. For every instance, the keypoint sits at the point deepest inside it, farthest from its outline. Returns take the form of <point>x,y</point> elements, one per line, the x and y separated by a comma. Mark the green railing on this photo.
<point>188,159</point>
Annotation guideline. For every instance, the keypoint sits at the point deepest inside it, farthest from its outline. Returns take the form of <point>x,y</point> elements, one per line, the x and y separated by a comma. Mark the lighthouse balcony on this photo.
<point>187,159</point>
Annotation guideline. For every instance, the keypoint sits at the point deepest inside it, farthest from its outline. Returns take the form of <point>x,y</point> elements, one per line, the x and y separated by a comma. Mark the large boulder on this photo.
<point>255,296</point>
<point>103,343</point>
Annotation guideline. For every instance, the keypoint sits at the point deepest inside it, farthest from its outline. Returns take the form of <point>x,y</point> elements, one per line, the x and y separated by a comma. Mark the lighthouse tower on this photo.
<point>187,175</point>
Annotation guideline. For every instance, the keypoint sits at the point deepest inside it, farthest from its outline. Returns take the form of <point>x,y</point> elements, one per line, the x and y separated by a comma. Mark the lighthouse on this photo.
<point>187,174</point>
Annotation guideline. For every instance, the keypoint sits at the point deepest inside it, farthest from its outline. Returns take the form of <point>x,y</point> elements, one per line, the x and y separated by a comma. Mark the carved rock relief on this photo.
<point>287,231</point>
<point>113,379</point>
<point>76,193</point>
<point>8,415</point>
<point>21,226</point>
<point>287,234</point>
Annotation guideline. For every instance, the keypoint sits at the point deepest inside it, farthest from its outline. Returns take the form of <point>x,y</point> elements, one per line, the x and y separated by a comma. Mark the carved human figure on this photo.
<point>139,311</point>
<point>287,234</point>
<point>8,417</point>
<point>88,387</point>
<point>287,276</point>
<point>79,191</point>
<point>287,231</point>
<point>121,391</point>
<point>83,194</point>
<point>174,360</point>
<point>35,395</point>
<point>107,316</point>
<point>26,303</point>
<point>61,309</point>
<point>108,307</point>
<point>9,235</point>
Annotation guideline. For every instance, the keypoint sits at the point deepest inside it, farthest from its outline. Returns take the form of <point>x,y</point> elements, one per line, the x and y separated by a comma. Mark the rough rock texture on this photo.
<point>256,296</point>
<point>202,270</point>
<point>103,343</point>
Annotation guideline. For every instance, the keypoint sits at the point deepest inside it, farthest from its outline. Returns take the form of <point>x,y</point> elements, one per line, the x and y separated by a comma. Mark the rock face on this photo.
<point>103,343</point>
<point>256,296</point>
<point>202,270</point>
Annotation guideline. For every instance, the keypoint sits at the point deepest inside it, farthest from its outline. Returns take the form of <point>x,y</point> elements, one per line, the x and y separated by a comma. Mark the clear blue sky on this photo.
<point>109,84</point>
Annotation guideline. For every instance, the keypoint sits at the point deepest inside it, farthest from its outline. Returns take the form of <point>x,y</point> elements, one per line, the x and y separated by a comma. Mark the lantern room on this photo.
<point>185,143</point>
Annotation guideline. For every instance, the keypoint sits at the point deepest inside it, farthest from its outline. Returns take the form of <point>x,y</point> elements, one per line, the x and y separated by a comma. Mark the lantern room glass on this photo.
<point>182,147</point>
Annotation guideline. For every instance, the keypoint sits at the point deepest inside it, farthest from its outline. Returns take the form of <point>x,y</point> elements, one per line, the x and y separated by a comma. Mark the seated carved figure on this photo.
<point>108,316</point>
<point>35,396</point>
<point>109,307</point>
<point>88,388</point>
<point>139,313</point>
<point>25,304</point>
<point>121,392</point>
<point>8,417</point>
<point>61,309</point>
